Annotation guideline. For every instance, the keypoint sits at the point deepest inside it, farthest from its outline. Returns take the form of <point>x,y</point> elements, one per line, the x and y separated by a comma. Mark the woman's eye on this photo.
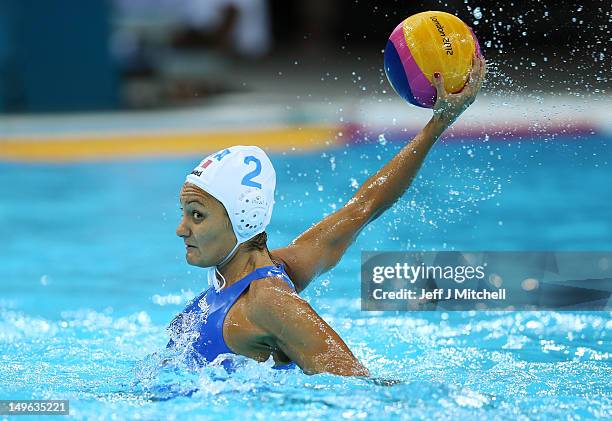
<point>196,214</point>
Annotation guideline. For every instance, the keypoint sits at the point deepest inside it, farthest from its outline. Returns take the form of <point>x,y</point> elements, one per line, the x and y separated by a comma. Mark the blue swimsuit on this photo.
<point>201,322</point>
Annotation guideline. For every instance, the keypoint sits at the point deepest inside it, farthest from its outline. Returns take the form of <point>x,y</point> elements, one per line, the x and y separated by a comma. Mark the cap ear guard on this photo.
<point>250,213</point>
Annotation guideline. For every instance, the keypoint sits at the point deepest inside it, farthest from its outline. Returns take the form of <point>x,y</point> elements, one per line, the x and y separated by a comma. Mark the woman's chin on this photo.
<point>191,259</point>
<point>195,261</point>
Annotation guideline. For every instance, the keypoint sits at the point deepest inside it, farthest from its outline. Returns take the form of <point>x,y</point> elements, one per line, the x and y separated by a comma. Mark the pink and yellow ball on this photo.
<point>425,43</point>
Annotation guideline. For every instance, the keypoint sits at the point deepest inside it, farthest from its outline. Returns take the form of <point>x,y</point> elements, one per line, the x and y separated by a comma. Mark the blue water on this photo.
<point>91,273</point>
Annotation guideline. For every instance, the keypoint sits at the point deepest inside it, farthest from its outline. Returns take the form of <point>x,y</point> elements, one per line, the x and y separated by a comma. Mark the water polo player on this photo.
<point>252,307</point>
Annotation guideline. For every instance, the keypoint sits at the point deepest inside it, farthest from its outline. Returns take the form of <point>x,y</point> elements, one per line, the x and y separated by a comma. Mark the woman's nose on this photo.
<point>182,230</point>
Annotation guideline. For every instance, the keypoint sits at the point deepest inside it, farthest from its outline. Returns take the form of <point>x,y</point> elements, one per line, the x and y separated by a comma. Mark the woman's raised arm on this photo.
<point>320,247</point>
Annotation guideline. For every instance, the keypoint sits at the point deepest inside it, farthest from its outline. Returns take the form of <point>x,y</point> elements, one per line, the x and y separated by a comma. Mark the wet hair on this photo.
<point>259,242</point>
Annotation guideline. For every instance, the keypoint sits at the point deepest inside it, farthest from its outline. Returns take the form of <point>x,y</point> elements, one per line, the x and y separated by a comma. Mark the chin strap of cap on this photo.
<point>212,273</point>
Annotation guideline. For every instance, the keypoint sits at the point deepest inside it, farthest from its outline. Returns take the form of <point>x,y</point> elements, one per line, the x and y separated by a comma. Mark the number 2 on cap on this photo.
<point>247,180</point>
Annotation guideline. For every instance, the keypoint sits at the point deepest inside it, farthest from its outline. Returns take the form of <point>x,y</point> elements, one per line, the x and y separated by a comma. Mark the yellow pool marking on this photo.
<point>79,148</point>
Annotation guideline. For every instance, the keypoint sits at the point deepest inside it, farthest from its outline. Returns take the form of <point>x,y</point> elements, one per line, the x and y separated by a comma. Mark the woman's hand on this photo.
<point>450,106</point>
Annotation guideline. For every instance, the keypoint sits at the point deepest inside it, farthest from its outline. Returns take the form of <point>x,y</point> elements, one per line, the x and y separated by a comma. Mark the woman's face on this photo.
<point>205,227</point>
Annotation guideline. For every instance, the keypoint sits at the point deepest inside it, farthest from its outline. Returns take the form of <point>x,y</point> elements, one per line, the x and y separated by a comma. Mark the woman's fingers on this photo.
<point>470,90</point>
<point>483,71</point>
<point>438,83</point>
<point>475,72</point>
<point>476,75</point>
<point>479,75</point>
<point>475,68</point>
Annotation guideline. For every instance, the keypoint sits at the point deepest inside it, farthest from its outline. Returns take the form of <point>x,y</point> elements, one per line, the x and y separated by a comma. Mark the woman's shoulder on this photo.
<point>276,283</point>
<point>269,293</point>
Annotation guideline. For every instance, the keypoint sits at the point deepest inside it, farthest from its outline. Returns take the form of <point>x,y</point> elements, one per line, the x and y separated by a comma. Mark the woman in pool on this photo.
<point>252,307</point>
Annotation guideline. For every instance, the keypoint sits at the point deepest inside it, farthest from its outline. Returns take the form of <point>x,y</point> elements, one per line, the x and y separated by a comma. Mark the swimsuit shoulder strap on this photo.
<point>261,273</point>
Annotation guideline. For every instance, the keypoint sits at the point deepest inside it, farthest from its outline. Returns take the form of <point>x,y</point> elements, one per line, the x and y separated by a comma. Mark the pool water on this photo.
<point>91,273</point>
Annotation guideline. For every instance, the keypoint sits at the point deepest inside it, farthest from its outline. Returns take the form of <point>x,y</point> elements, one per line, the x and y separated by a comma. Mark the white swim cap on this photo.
<point>243,179</point>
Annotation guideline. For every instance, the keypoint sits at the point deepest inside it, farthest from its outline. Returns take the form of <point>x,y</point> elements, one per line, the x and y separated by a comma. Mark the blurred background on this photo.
<point>160,77</point>
<point>68,55</point>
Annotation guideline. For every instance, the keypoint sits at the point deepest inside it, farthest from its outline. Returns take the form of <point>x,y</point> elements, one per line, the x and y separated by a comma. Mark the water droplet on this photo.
<point>381,139</point>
